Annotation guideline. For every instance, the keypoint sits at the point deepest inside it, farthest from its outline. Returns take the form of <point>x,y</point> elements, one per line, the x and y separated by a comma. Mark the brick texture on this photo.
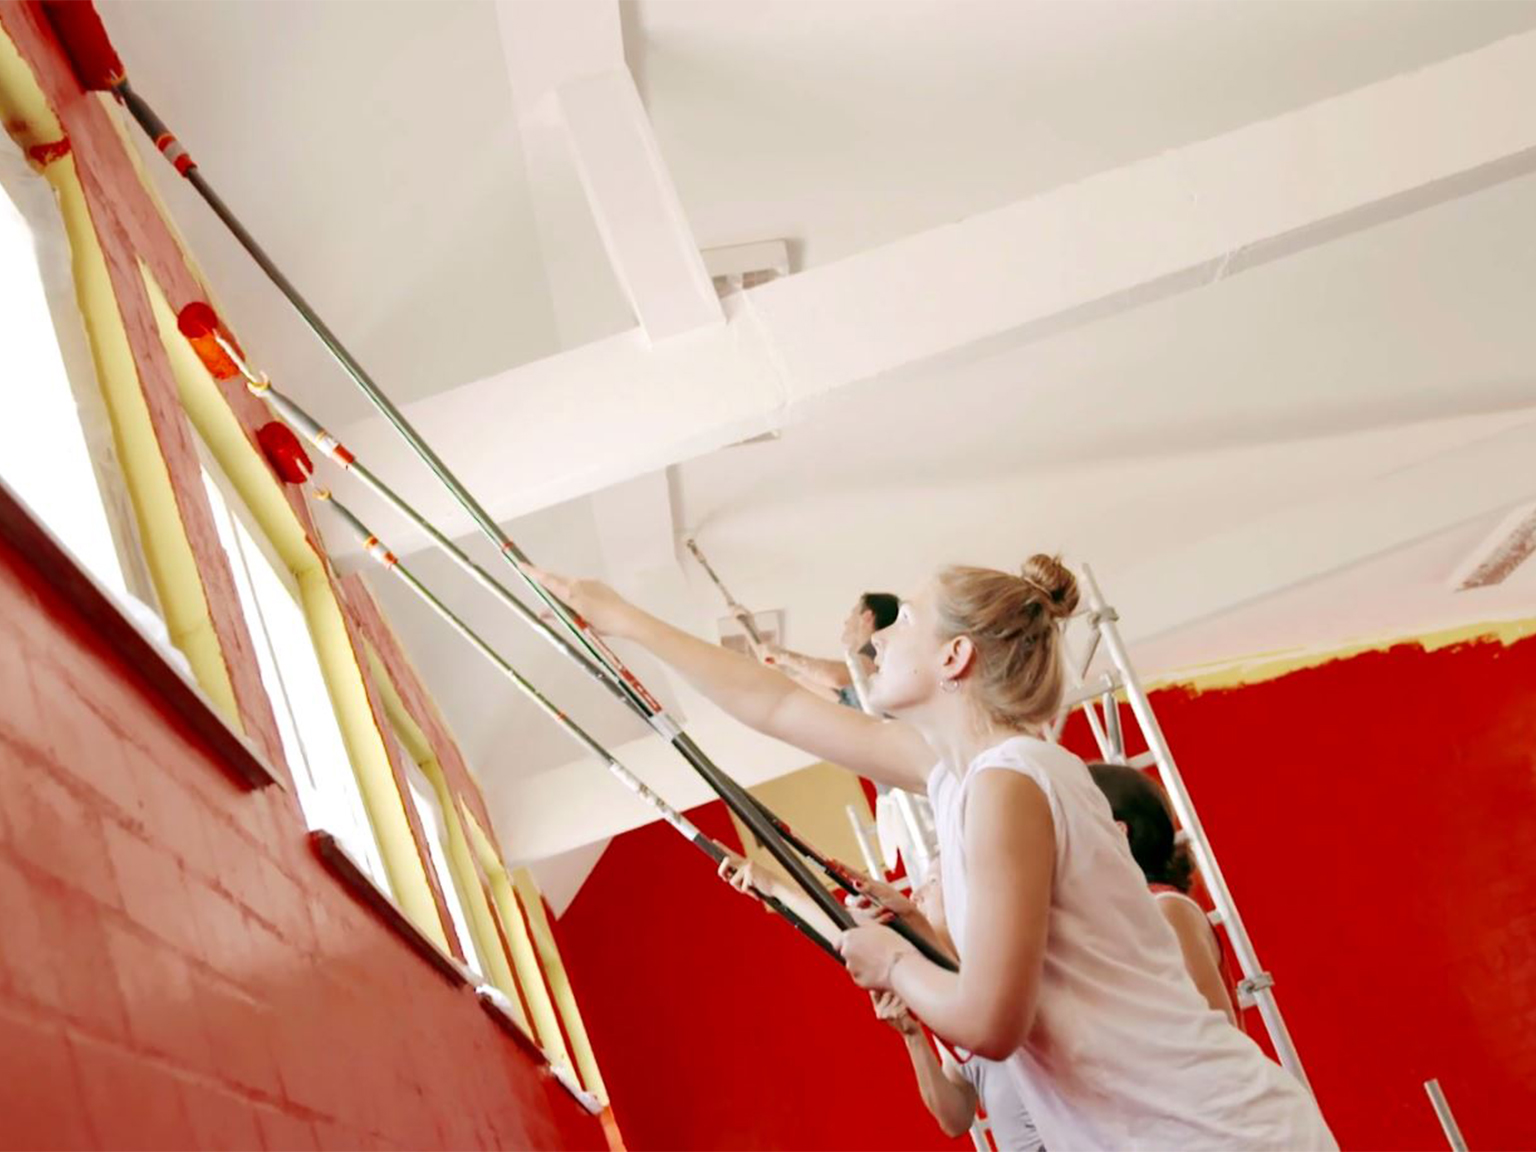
<point>168,980</point>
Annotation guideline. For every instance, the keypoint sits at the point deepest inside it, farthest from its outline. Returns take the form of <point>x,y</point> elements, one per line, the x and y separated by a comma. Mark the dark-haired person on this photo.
<point>1141,810</point>
<point>1069,977</point>
<point>832,678</point>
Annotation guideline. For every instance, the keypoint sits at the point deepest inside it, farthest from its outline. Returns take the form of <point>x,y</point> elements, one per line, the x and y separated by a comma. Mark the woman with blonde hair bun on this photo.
<point>1068,975</point>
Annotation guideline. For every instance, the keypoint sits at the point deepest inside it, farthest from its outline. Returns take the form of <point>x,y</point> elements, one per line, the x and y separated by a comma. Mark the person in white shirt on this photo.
<point>1069,977</point>
<point>954,1085</point>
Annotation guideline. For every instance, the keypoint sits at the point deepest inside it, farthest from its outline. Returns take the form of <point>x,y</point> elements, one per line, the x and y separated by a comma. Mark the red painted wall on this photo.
<point>718,1025</point>
<point>178,971</point>
<point>1374,817</point>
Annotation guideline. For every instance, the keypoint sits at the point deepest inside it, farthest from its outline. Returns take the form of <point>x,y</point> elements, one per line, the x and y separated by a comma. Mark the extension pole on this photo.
<point>837,871</point>
<point>98,67</point>
<point>743,618</point>
<point>386,559</point>
<point>196,324</point>
<point>304,424</point>
<point>200,325</point>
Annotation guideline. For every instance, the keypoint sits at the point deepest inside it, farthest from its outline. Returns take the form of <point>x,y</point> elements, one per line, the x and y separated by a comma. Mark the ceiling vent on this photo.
<point>738,267</point>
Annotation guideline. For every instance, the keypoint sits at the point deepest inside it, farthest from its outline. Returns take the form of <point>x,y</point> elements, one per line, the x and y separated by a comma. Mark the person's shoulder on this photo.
<point>1183,911</point>
<point>1030,756</point>
<point>1030,750</point>
<point>1176,896</point>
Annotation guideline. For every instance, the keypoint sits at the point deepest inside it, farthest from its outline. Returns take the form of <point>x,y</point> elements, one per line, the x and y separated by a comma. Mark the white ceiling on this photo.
<point>374,148</point>
<point>1221,398</point>
<point>846,124</point>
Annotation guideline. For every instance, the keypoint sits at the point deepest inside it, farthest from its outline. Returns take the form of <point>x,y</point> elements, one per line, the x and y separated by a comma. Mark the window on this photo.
<point>290,671</point>
<point>44,456</point>
<point>430,812</point>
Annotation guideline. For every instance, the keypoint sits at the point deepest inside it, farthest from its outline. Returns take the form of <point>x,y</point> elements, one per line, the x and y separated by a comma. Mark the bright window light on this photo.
<point>43,454</point>
<point>290,671</point>
<point>431,815</point>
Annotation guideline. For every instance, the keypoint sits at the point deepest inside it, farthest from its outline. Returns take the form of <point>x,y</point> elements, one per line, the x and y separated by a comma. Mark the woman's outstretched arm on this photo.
<point>886,751</point>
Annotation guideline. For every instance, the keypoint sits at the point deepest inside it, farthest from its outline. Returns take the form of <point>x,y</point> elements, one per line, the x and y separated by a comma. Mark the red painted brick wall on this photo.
<point>178,971</point>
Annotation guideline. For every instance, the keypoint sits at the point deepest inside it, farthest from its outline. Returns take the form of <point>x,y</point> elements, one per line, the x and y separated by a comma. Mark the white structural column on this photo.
<point>609,217</point>
<point>546,43</point>
<point>624,405</point>
<point>636,207</point>
<point>617,250</point>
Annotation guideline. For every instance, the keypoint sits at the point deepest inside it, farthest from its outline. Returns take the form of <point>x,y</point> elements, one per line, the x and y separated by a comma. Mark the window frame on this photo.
<point>434,827</point>
<point>130,620</point>
<point>245,532</point>
<point>35,203</point>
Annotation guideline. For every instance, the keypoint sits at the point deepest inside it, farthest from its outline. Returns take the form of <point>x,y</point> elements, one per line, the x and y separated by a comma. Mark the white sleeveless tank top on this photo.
<point>1125,1052</point>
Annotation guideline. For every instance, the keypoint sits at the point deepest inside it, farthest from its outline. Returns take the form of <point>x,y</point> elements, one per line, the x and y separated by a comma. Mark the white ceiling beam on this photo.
<point>638,213</point>
<point>596,173</point>
<point>623,406</point>
<point>576,423</point>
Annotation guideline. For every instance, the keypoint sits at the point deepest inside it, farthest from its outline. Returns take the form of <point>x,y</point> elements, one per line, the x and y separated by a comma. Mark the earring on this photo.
<point>950,685</point>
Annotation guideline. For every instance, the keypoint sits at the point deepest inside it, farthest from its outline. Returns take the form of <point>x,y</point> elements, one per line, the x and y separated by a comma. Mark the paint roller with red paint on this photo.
<point>284,452</point>
<point>98,68</point>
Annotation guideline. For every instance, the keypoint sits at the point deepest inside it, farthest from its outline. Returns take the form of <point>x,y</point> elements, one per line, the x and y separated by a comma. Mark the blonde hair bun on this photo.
<point>1054,581</point>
